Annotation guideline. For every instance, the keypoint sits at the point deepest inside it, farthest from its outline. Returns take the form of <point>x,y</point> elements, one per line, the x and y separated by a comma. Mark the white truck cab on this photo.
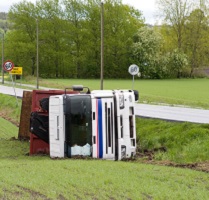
<point>100,124</point>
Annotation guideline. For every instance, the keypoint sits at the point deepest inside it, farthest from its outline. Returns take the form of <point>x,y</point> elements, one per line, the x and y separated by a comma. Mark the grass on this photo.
<point>185,142</point>
<point>39,177</point>
<point>42,178</point>
<point>10,148</point>
<point>9,108</point>
<point>188,92</point>
<point>7,130</point>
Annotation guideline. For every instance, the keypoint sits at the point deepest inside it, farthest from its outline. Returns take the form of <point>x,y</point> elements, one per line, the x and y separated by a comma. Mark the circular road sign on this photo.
<point>133,69</point>
<point>8,65</point>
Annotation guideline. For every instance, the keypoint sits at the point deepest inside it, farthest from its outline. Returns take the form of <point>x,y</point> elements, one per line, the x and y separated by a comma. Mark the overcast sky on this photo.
<point>146,6</point>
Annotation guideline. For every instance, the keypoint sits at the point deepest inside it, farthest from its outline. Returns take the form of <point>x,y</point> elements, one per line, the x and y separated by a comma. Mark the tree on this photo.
<point>22,37</point>
<point>121,23</point>
<point>51,26</point>
<point>177,62</point>
<point>146,52</point>
<point>75,16</point>
<point>175,13</point>
<point>196,44</point>
<point>69,37</point>
<point>93,39</point>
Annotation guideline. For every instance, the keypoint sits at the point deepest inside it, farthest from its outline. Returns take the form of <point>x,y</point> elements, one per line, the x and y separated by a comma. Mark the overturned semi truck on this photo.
<point>98,124</point>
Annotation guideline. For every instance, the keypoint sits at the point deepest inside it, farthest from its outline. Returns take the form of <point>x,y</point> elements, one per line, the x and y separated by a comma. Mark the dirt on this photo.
<point>203,166</point>
<point>5,116</point>
<point>33,194</point>
<point>148,157</point>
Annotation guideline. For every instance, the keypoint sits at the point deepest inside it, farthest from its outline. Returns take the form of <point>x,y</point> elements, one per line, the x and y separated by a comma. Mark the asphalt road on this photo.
<point>170,113</point>
<point>11,91</point>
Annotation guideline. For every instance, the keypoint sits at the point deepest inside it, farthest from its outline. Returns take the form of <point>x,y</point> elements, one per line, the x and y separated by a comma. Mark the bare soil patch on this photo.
<point>148,157</point>
<point>34,194</point>
<point>5,116</point>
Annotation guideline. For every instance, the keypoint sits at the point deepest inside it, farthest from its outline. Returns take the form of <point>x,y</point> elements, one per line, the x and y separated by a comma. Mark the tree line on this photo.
<point>69,38</point>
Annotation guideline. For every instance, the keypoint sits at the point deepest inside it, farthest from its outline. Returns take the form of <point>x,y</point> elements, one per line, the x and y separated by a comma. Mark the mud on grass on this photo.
<point>21,193</point>
<point>9,109</point>
<point>148,157</point>
<point>185,144</point>
<point>144,156</point>
<point>6,115</point>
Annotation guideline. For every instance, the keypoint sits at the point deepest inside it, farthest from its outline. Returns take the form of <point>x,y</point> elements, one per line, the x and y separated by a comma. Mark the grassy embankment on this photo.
<point>184,142</point>
<point>189,92</point>
<point>23,177</point>
<point>39,177</point>
<point>9,109</point>
<point>177,142</point>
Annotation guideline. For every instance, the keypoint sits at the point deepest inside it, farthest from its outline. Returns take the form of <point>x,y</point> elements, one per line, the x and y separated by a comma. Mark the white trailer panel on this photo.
<point>56,126</point>
<point>124,102</point>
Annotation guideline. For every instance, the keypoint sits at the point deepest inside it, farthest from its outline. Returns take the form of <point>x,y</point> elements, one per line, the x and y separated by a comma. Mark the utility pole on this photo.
<point>2,77</point>
<point>102,44</point>
<point>37,52</point>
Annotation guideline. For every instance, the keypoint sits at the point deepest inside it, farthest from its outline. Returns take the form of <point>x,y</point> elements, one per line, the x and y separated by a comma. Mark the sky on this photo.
<point>147,7</point>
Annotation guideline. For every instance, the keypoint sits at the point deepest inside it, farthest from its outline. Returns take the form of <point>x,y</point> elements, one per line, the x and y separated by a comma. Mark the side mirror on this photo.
<point>78,88</point>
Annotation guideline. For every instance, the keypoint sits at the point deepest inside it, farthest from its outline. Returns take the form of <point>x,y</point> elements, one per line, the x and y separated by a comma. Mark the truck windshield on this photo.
<point>78,124</point>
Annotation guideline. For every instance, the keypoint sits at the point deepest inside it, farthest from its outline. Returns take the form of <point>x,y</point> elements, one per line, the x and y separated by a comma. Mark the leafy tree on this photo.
<point>51,45</point>
<point>185,29</point>
<point>22,38</point>
<point>146,51</point>
<point>177,62</point>
<point>93,39</point>
<point>69,37</point>
<point>75,15</point>
<point>175,13</point>
<point>120,26</point>
<point>196,44</point>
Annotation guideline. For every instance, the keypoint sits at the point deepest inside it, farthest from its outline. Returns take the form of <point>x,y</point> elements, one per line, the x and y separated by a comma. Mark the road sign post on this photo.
<point>133,70</point>
<point>16,71</point>
<point>8,66</point>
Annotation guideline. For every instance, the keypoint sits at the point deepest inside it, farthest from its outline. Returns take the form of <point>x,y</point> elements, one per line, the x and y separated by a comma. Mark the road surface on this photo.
<point>170,113</point>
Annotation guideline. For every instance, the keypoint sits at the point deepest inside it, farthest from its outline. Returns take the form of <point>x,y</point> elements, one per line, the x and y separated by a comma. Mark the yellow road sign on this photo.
<point>16,71</point>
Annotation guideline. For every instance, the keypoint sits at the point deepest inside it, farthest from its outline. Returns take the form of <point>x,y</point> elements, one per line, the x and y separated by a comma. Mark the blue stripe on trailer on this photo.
<point>100,128</point>
<point>97,129</point>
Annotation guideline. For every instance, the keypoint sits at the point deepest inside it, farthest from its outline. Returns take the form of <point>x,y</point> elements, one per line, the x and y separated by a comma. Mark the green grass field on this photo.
<point>182,142</point>
<point>188,92</point>
<point>9,108</point>
<point>39,177</point>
